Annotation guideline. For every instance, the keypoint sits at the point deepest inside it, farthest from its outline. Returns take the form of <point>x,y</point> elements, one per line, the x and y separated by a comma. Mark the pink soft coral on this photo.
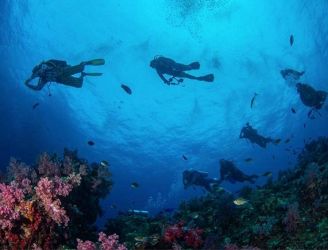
<point>10,196</point>
<point>48,192</point>
<point>106,243</point>
<point>110,242</point>
<point>85,245</point>
<point>48,167</point>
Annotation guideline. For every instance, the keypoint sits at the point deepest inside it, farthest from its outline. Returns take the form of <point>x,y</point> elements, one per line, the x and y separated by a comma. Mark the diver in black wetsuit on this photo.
<point>251,134</point>
<point>231,173</point>
<point>311,97</point>
<point>60,72</point>
<point>167,66</point>
<point>193,177</point>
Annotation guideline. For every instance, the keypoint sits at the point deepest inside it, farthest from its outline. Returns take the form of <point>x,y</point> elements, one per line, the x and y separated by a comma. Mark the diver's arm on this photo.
<point>39,86</point>
<point>162,77</point>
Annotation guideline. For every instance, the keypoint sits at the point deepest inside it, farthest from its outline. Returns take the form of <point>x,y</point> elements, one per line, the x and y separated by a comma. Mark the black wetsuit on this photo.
<point>197,178</point>
<point>311,97</point>
<point>251,134</point>
<point>231,173</point>
<point>56,71</point>
<point>164,65</point>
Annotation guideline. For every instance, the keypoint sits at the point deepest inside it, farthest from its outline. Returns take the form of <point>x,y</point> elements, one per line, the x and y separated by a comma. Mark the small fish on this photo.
<point>287,140</point>
<point>304,125</point>
<point>293,110</point>
<point>134,185</point>
<point>248,159</point>
<point>240,201</point>
<point>140,239</point>
<point>277,141</point>
<point>104,163</point>
<point>113,206</point>
<point>268,174</point>
<point>185,157</point>
<point>253,99</point>
<point>194,215</point>
<point>291,40</point>
<point>91,143</point>
<point>35,105</point>
<point>126,89</point>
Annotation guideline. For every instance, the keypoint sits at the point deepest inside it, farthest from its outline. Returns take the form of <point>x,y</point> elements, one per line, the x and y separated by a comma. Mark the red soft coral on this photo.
<point>193,238</point>
<point>173,233</point>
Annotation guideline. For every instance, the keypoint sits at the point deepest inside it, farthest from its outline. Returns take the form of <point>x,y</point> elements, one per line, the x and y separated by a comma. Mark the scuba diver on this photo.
<point>193,177</point>
<point>311,97</point>
<point>60,72</point>
<point>167,66</point>
<point>231,173</point>
<point>251,134</point>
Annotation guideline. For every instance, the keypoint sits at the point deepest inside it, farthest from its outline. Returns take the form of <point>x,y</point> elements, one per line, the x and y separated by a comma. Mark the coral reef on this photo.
<point>48,205</point>
<point>55,203</point>
<point>288,213</point>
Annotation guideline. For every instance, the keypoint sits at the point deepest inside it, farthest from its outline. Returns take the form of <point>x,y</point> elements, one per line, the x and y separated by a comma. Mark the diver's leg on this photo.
<point>185,75</point>
<point>206,78</point>
<point>72,70</point>
<point>184,67</point>
<point>72,81</point>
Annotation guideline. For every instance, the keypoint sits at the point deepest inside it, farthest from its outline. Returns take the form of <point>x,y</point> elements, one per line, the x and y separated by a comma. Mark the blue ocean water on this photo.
<point>143,136</point>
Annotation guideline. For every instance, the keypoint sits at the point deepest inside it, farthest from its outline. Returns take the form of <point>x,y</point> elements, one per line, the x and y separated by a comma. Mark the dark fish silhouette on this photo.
<point>277,141</point>
<point>91,143</point>
<point>113,206</point>
<point>248,159</point>
<point>287,140</point>
<point>35,105</point>
<point>253,99</point>
<point>184,157</point>
<point>126,89</point>
<point>304,125</point>
<point>293,110</point>
<point>291,40</point>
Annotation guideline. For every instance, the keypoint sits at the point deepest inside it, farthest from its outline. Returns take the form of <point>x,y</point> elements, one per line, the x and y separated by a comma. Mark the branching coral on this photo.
<point>37,205</point>
<point>104,242</point>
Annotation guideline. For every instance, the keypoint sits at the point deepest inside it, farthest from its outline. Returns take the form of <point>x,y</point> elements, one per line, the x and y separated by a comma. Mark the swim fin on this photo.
<point>207,78</point>
<point>194,65</point>
<point>95,62</point>
<point>91,74</point>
